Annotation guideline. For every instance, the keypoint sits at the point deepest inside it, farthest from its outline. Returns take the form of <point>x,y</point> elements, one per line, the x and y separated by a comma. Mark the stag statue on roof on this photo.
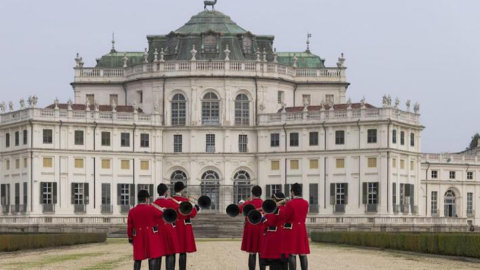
<point>210,3</point>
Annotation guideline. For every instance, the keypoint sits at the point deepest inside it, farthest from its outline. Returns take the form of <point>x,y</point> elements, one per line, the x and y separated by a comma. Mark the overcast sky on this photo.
<point>427,51</point>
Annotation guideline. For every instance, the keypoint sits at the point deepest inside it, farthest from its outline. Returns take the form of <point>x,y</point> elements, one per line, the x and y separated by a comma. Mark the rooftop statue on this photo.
<point>210,3</point>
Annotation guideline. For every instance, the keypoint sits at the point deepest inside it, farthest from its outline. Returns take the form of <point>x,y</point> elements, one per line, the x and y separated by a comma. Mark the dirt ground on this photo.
<point>222,255</point>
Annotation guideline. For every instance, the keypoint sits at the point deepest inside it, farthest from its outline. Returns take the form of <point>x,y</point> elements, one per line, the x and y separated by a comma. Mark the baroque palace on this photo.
<point>216,106</point>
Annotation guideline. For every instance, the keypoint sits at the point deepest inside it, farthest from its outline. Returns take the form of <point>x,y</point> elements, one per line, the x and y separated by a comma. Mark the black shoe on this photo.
<point>304,262</point>
<point>182,261</point>
<point>137,265</point>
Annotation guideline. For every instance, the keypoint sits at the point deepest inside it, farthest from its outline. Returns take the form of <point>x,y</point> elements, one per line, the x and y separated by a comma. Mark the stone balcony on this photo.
<point>227,68</point>
<point>451,158</point>
<point>338,115</point>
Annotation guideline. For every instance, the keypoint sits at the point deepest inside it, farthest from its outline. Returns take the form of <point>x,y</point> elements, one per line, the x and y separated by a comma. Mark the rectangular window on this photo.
<point>280,97</point>
<point>144,165</point>
<point>306,99</point>
<point>47,193</point>
<point>25,162</point>
<point>79,163</point>
<point>275,165</point>
<point>313,138</point>
<point>106,194</point>
<point>25,196</point>
<point>402,164</point>
<point>25,136</point>
<point>340,163</point>
<point>469,204</point>
<point>394,163</point>
<point>434,174</point>
<point>294,139</point>
<point>125,164</point>
<point>125,139</point>
<point>313,198</point>
<point>113,99</point>
<point>412,165</point>
<point>145,140</point>
<point>341,193</point>
<point>124,194</point>
<point>140,97</point>
<point>177,143</point>
<point>313,163</point>
<point>339,137</point>
<point>434,203</point>
<point>242,143</point>
<point>90,99</point>
<point>372,136</point>
<point>469,175</point>
<point>370,193</point>
<point>47,136</point>
<point>210,143</point>
<point>274,140</point>
<point>412,139</point>
<point>106,164</point>
<point>79,137</point>
<point>272,189</point>
<point>7,140</point>
<point>452,175</point>
<point>105,138</point>
<point>372,162</point>
<point>79,193</point>
<point>48,162</point>
<point>7,164</point>
<point>394,136</point>
<point>330,99</point>
<point>5,194</point>
<point>17,194</point>
<point>294,165</point>
<point>17,164</point>
<point>402,138</point>
<point>17,138</point>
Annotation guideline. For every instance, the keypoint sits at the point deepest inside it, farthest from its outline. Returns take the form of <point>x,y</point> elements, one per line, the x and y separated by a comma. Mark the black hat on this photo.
<point>257,191</point>
<point>142,196</point>
<point>162,189</point>
<point>279,196</point>
<point>179,186</point>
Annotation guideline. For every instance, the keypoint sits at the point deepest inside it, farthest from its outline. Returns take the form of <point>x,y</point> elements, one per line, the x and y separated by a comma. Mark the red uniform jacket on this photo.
<point>296,238</point>
<point>252,234</point>
<point>184,228</point>
<point>145,233</point>
<point>169,235</point>
<point>273,245</point>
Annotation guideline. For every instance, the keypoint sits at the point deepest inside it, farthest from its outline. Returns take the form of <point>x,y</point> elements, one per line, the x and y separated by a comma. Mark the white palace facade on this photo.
<point>218,107</point>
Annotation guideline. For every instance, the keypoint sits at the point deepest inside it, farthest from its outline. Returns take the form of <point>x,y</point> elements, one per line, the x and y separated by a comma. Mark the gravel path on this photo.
<point>222,255</point>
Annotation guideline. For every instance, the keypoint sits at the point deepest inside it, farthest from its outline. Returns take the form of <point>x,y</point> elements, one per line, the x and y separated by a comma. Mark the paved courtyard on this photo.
<point>222,255</point>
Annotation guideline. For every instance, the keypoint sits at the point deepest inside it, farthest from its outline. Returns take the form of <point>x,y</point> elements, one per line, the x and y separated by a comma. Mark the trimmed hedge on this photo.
<point>451,244</point>
<point>13,242</point>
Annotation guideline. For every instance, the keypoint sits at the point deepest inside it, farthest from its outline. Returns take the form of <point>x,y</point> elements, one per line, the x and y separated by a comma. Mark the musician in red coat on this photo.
<point>144,234</point>
<point>296,235</point>
<point>252,234</point>
<point>184,228</point>
<point>169,234</point>
<point>273,251</point>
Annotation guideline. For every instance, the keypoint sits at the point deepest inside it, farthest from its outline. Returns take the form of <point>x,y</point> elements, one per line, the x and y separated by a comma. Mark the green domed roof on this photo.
<point>210,20</point>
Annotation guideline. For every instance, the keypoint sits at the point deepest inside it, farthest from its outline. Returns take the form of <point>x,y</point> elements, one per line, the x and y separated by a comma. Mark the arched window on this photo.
<point>210,186</point>
<point>242,110</point>
<point>178,176</point>
<point>450,204</point>
<point>179,110</point>
<point>210,109</point>
<point>241,186</point>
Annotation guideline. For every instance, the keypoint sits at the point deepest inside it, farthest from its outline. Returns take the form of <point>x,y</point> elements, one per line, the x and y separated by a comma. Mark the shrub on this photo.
<point>13,242</point>
<point>452,244</point>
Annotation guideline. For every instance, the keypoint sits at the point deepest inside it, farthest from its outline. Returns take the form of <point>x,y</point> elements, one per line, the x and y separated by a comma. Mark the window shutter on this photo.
<point>378,192</point>
<point>287,190</point>
<point>268,194</point>
<point>394,193</point>
<point>150,191</point>
<point>54,193</point>
<point>132,194</point>
<point>119,192</point>
<point>41,193</point>
<point>406,188</point>
<point>86,193</point>
<point>412,195</point>
<point>364,193</point>
<point>72,196</point>
<point>332,193</point>
<point>8,194</point>
<point>346,193</point>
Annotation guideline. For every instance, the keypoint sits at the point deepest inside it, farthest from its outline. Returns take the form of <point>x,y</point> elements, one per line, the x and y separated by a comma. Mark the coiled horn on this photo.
<point>204,202</point>
<point>254,217</point>
<point>247,208</point>
<point>233,210</point>
<point>185,208</point>
<point>169,215</point>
